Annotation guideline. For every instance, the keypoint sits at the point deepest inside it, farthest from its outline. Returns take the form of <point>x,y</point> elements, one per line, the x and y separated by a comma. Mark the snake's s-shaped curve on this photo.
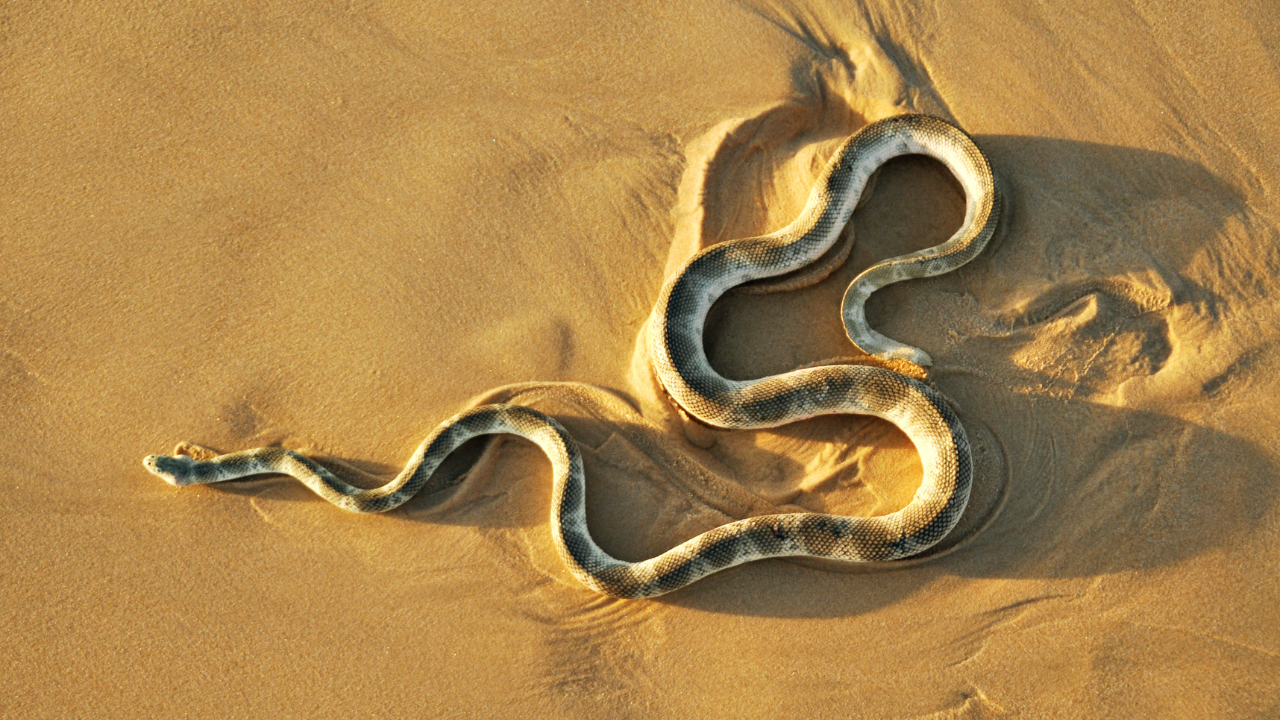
<point>681,364</point>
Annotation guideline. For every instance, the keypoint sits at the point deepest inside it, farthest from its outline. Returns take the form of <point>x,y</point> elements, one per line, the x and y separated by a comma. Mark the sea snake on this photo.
<point>678,356</point>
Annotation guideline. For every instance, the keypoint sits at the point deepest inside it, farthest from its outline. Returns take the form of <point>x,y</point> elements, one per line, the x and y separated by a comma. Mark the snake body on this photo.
<point>677,353</point>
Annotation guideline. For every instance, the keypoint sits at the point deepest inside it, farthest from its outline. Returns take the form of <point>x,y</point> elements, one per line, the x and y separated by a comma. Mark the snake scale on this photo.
<point>679,358</point>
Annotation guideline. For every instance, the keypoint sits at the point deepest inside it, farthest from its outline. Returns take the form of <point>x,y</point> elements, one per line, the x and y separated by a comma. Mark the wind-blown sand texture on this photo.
<point>329,226</point>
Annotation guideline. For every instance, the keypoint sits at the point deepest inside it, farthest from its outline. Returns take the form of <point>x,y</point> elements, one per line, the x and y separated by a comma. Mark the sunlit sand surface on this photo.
<point>330,226</point>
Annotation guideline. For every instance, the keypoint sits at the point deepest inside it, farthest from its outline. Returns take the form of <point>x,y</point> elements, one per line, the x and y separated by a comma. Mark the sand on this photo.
<point>331,225</point>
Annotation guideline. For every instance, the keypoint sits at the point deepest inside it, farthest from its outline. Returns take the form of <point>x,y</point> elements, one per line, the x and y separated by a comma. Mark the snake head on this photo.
<point>176,470</point>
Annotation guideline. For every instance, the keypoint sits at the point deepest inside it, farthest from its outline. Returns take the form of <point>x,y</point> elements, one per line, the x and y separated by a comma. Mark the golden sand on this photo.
<point>331,225</point>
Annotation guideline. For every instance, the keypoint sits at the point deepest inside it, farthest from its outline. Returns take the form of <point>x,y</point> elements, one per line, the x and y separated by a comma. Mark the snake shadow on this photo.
<point>1076,295</point>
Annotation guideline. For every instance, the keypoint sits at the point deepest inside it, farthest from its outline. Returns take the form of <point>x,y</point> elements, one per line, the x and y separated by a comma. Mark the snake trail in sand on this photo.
<point>679,358</point>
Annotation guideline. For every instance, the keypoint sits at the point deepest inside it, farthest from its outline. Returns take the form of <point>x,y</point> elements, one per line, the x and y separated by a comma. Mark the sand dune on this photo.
<point>329,226</point>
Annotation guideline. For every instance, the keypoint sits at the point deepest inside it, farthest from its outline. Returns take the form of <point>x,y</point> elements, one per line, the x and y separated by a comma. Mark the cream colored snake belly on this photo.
<point>680,360</point>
